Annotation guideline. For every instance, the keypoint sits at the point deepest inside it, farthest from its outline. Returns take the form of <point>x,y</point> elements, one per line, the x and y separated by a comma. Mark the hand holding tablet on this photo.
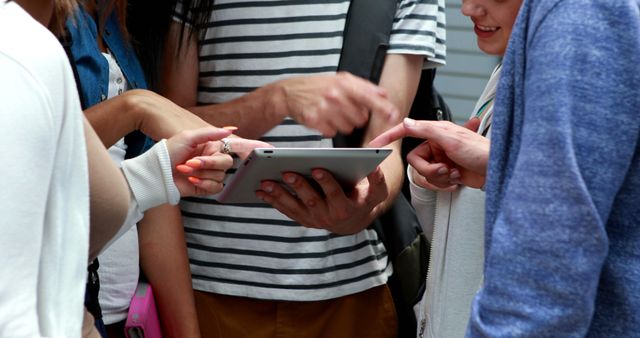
<point>347,165</point>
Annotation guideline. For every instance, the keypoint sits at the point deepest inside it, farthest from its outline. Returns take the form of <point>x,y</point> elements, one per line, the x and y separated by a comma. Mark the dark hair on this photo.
<point>149,31</point>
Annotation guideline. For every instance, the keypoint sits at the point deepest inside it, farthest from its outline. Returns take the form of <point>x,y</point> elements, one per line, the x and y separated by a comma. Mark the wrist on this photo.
<point>134,107</point>
<point>274,100</point>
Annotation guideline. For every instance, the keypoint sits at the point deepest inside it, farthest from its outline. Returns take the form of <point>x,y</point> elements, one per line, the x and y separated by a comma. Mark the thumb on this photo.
<point>472,124</point>
<point>198,136</point>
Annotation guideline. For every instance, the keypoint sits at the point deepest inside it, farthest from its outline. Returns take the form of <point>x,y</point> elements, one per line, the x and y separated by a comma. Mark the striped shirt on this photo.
<point>254,250</point>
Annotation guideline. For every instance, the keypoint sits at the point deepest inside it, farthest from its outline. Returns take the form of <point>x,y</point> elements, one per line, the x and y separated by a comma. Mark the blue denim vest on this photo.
<point>93,69</point>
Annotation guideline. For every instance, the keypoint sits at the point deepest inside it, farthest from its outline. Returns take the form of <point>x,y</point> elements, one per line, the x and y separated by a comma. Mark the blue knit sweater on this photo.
<point>562,252</point>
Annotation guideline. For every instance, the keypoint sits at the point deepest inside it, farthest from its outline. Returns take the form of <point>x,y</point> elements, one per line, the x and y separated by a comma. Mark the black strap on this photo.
<point>364,48</point>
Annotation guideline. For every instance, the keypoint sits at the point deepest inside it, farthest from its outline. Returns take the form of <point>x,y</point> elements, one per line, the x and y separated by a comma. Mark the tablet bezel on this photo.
<point>348,166</point>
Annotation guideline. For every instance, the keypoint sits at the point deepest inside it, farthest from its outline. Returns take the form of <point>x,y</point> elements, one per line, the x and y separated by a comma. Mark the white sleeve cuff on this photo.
<point>417,192</point>
<point>150,178</point>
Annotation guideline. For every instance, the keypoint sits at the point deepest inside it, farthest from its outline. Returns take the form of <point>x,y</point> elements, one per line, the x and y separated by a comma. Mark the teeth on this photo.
<point>487,28</point>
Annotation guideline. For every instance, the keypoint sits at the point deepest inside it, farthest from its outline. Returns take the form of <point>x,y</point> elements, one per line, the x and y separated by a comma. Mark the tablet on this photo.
<point>348,166</point>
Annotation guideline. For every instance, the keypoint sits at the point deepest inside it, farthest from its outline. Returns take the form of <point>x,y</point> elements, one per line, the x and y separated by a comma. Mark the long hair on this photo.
<point>62,9</point>
<point>150,31</point>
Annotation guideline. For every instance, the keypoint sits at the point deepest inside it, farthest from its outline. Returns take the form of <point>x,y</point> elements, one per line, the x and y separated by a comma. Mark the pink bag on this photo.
<point>142,320</point>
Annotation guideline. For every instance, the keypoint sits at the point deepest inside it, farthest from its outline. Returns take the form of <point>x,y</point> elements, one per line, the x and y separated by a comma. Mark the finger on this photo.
<point>378,190</point>
<point>435,174</point>
<point>420,181</point>
<point>205,187</point>
<point>212,175</point>
<point>423,129</point>
<point>338,205</point>
<point>305,192</point>
<point>472,124</point>
<point>202,135</point>
<point>273,193</point>
<point>347,114</point>
<point>395,133</point>
<point>366,94</point>
<point>333,192</point>
<point>345,118</point>
<point>243,147</point>
<point>216,161</point>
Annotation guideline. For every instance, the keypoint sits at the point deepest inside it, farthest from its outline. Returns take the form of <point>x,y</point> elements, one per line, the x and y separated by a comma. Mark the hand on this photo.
<point>427,169</point>
<point>334,103</point>
<point>205,166</point>
<point>206,170</point>
<point>242,146</point>
<point>332,209</point>
<point>464,148</point>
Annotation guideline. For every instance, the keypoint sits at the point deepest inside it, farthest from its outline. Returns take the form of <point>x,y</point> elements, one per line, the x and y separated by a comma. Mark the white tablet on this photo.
<point>348,166</point>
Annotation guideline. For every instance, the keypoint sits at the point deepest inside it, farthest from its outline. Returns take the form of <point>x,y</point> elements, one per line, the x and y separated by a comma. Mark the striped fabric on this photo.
<point>253,250</point>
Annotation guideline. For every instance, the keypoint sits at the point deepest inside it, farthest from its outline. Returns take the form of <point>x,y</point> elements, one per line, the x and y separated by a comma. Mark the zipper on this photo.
<point>423,321</point>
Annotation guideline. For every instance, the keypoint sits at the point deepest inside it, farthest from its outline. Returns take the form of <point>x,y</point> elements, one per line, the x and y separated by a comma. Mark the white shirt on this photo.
<point>44,199</point>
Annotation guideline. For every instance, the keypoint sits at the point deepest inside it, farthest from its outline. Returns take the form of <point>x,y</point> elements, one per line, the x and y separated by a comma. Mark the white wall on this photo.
<point>461,81</point>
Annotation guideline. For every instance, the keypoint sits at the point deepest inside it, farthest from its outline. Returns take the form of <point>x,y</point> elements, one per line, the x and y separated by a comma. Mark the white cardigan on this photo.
<point>454,224</point>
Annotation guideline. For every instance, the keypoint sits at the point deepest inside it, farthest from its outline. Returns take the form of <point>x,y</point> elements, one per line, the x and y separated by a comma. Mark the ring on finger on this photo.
<point>225,146</point>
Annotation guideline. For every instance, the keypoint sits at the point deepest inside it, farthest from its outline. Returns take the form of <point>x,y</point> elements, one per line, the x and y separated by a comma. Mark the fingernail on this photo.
<point>230,128</point>
<point>317,175</point>
<point>443,171</point>
<point>185,169</point>
<point>267,188</point>
<point>193,180</point>
<point>454,174</point>
<point>194,163</point>
<point>409,122</point>
<point>289,178</point>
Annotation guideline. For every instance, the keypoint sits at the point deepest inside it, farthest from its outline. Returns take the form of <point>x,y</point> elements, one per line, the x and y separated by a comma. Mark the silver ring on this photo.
<point>226,146</point>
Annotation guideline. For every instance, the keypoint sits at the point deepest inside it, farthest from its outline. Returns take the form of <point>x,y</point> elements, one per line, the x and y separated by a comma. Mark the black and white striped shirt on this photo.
<point>254,250</point>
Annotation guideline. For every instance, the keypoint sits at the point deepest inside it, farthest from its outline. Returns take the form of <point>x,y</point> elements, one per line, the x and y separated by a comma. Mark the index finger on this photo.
<point>395,133</point>
<point>366,94</point>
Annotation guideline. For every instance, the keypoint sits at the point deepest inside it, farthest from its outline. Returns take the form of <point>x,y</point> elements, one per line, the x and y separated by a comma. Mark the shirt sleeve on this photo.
<point>150,180</point>
<point>419,29</point>
<point>424,202</point>
<point>27,136</point>
<point>570,152</point>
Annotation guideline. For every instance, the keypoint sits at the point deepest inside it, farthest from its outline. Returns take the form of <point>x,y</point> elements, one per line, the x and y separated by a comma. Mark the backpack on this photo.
<point>366,41</point>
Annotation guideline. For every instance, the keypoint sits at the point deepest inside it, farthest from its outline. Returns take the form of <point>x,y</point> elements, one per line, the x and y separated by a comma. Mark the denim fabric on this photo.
<point>93,69</point>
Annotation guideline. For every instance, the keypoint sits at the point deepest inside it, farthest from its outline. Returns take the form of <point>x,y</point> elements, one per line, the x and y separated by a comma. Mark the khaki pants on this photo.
<point>369,314</point>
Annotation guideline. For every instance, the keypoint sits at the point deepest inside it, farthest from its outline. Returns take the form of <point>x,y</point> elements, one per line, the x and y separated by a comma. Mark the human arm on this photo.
<point>342,212</point>
<point>424,203</point>
<point>163,258</point>
<point>328,103</point>
<point>550,200</point>
<point>153,178</point>
<point>450,147</point>
<point>143,110</point>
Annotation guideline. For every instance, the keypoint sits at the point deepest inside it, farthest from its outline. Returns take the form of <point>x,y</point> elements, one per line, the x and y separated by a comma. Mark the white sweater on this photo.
<point>454,223</point>
<point>44,183</point>
<point>44,192</point>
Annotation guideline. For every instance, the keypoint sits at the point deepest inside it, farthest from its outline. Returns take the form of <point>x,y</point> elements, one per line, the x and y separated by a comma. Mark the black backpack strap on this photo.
<point>364,48</point>
<point>366,41</point>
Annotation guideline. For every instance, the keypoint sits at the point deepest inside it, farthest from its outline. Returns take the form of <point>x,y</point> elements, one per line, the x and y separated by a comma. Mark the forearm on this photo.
<point>400,77</point>
<point>109,194</point>
<point>254,113</point>
<point>163,257</point>
<point>150,183</point>
<point>114,118</point>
